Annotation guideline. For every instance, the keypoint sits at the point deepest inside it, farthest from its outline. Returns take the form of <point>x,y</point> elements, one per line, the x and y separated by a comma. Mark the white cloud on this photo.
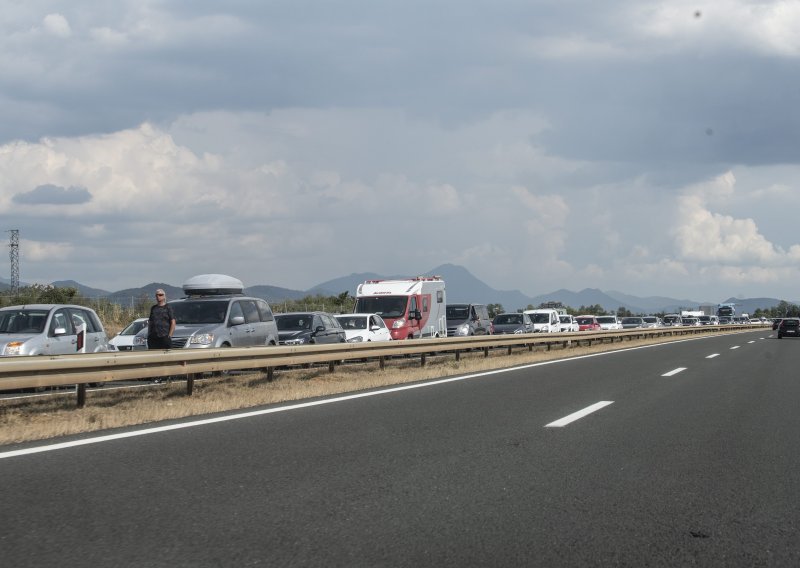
<point>56,25</point>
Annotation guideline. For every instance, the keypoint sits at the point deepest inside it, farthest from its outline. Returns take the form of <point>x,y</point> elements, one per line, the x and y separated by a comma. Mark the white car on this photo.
<point>364,327</point>
<point>567,323</point>
<point>123,341</point>
<point>609,323</point>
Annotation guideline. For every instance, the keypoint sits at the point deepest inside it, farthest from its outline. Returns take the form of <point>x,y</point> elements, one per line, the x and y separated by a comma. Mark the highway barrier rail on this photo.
<point>83,369</point>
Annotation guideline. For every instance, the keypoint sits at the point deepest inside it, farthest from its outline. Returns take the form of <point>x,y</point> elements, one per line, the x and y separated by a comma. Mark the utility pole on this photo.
<point>14,254</point>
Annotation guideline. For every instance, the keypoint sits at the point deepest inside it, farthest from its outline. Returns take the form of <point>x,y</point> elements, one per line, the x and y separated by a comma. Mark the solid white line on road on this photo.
<point>751,342</point>
<point>713,355</point>
<point>735,347</point>
<point>580,414</point>
<point>674,372</point>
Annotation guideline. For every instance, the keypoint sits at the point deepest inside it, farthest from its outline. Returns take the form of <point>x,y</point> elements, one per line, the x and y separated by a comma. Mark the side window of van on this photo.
<point>413,304</point>
<point>250,311</point>
<point>236,310</point>
<point>264,310</point>
<point>425,304</point>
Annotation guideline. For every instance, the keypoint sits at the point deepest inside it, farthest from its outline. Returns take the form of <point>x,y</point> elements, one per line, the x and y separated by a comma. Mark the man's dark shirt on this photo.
<point>160,318</point>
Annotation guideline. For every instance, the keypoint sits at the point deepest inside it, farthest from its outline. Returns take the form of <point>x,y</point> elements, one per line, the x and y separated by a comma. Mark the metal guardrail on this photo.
<point>82,369</point>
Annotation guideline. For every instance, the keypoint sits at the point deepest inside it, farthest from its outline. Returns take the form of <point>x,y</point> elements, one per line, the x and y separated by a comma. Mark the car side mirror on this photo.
<point>237,320</point>
<point>417,315</point>
<point>59,331</point>
<point>375,328</point>
<point>320,329</point>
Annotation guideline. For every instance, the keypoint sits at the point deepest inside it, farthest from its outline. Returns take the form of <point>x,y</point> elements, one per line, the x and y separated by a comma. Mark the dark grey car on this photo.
<point>298,328</point>
<point>512,323</point>
<point>467,319</point>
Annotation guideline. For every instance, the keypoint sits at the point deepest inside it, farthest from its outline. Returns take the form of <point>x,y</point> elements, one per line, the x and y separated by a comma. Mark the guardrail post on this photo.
<point>190,383</point>
<point>549,345</point>
<point>458,355</point>
<point>509,349</point>
<point>422,360</point>
<point>530,346</point>
<point>332,367</point>
<point>382,363</point>
<point>485,351</point>
<point>270,374</point>
<point>81,390</point>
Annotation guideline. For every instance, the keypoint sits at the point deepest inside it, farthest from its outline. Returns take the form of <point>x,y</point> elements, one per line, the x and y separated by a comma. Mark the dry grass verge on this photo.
<point>56,415</point>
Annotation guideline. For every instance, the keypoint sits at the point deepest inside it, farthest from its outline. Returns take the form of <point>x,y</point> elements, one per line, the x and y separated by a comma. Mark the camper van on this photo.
<point>412,308</point>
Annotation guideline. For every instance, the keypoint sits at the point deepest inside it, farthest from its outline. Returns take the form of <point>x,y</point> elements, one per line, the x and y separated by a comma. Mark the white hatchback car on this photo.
<point>608,323</point>
<point>364,327</point>
<point>123,341</point>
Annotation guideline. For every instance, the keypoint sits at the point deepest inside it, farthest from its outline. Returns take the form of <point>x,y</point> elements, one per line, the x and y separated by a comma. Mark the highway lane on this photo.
<point>694,468</point>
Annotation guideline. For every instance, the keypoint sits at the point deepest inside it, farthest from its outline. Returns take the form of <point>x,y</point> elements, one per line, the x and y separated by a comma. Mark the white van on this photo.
<point>545,320</point>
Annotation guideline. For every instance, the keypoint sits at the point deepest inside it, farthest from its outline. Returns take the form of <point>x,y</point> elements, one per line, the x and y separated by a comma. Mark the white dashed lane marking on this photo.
<point>735,347</point>
<point>713,355</point>
<point>580,414</point>
<point>674,372</point>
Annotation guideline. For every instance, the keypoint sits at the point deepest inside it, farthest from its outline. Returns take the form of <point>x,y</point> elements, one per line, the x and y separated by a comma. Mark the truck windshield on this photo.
<point>384,306</point>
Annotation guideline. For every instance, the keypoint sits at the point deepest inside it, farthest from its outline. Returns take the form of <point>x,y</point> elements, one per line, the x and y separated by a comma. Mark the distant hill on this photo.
<point>462,287</point>
<point>85,291</point>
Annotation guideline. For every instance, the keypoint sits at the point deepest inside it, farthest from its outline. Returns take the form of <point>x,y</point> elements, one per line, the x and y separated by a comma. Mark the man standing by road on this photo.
<point>161,324</point>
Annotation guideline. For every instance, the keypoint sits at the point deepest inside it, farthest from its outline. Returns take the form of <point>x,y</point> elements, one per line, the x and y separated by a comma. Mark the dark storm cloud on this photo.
<point>54,195</point>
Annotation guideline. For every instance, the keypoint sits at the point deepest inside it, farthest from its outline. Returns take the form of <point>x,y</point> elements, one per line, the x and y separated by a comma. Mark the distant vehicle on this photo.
<point>726,310</point>
<point>691,321</point>
<point>567,323</point>
<point>51,329</point>
<point>789,326</point>
<point>468,319</point>
<point>725,320</point>
<point>672,320</point>
<point>412,308</point>
<point>609,323</point>
<point>215,313</point>
<point>708,320</point>
<point>512,323</point>
<point>588,323</point>
<point>545,320</point>
<point>652,321</point>
<point>299,328</point>
<point>364,327</point>
<point>632,322</point>
<point>123,341</point>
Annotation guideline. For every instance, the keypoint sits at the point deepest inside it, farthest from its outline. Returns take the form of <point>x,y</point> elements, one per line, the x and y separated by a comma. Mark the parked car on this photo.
<point>298,328</point>
<point>467,319</point>
<point>364,327</point>
<point>789,326</point>
<point>691,321</point>
<point>673,320</point>
<point>123,341</point>
<point>51,329</point>
<point>567,323</point>
<point>545,320</point>
<point>632,322</point>
<point>588,323</point>
<point>512,323</point>
<point>652,321</point>
<point>609,323</point>
<point>215,313</point>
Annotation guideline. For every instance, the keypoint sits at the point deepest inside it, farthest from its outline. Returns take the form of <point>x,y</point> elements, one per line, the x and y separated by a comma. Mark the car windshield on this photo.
<point>384,306</point>
<point>352,322</point>
<point>585,321</point>
<point>540,318</point>
<point>134,328</point>
<point>189,313</point>
<point>631,320</point>
<point>293,322</point>
<point>649,319</point>
<point>457,312</point>
<point>606,319</point>
<point>513,319</point>
<point>23,321</point>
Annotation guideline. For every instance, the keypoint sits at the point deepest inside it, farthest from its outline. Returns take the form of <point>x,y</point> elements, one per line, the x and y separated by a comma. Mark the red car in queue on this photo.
<point>587,323</point>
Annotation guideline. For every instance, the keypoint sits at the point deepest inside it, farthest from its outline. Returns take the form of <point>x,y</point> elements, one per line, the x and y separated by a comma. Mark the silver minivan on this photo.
<point>215,313</point>
<point>50,329</point>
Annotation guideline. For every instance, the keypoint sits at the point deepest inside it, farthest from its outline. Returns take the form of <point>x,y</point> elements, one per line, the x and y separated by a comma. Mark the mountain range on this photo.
<point>462,287</point>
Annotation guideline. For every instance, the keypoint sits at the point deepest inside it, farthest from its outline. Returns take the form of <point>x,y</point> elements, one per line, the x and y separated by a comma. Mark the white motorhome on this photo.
<point>545,320</point>
<point>412,308</point>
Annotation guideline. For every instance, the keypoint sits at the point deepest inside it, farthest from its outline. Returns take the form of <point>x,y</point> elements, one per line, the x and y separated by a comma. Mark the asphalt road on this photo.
<point>696,468</point>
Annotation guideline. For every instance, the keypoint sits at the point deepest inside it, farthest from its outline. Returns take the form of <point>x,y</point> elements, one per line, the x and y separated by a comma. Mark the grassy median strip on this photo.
<point>55,415</point>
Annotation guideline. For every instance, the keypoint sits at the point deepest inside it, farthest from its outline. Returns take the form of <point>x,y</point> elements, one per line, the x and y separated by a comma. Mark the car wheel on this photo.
<point>780,336</point>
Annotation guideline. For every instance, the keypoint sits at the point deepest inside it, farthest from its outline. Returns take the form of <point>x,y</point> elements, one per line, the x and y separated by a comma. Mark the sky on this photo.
<point>647,147</point>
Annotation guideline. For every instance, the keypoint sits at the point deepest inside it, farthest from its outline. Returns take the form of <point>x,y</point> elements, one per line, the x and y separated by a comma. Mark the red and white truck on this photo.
<point>411,308</point>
